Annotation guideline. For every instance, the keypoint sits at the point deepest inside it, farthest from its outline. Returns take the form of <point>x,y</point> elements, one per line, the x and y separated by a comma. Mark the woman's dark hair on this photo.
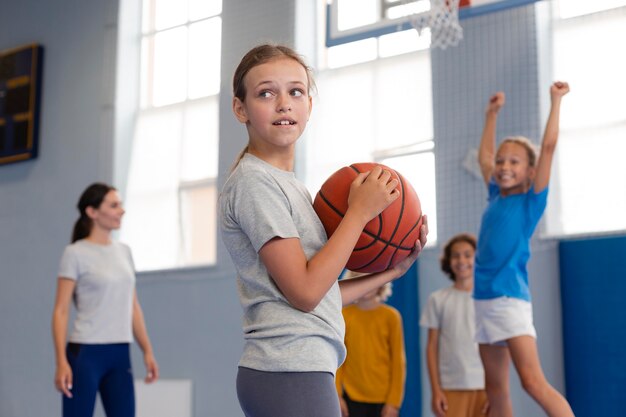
<point>91,197</point>
<point>447,252</point>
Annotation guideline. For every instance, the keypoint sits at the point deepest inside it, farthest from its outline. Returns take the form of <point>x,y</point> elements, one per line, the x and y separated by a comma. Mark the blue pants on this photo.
<point>105,368</point>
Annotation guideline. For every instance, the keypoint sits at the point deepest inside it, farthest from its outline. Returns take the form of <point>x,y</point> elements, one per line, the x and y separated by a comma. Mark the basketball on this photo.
<point>388,238</point>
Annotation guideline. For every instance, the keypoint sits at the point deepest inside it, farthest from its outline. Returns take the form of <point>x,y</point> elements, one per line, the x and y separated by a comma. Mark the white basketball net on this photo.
<point>443,21</point>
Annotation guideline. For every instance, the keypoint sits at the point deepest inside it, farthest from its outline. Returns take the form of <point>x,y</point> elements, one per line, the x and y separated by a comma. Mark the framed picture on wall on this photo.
<point>20,101</point>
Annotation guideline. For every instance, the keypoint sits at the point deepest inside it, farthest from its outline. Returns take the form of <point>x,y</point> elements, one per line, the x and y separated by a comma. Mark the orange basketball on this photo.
<point>388,238</point>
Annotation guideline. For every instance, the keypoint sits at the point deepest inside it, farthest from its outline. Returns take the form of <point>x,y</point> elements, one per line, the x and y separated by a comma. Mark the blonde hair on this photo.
<point>531,149</point>
<point>259,55</point>
<point>385,292</point>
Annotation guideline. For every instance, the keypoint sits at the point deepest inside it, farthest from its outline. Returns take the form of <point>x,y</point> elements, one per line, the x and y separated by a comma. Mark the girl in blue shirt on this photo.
<point>518,189</point>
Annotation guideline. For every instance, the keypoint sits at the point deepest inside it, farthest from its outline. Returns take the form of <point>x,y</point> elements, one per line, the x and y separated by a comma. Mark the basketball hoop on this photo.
<point>443,21</point>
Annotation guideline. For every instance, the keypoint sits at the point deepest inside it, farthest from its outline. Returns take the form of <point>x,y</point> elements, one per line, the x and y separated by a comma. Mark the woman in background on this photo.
<point>97,273</point>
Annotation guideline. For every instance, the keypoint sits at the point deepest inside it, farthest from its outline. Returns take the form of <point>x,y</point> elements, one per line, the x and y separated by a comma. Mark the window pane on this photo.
<point>334,139</point>
<point>402,91</point>
<point>197,225</point>
<point>409,8</point>
<point>355,13</point>
<point>390,98</point>
<point>589,54</point>
<point>571,8</point>
<point>156,151</point>
<point>588,163</point>
<point>352,53</point>
<point>152,187</point>
<point>200,141</point>
<point>170,67</point>
<point>573,206</point>
<point>204,57</point>
<point>147,18</point>
<point>171,192</point>
<point>169,13</point>
<point>402,42</point>
<point>200,9</point>
<point>419,170</point>
<point>147,66</point>
<point>151,229</point>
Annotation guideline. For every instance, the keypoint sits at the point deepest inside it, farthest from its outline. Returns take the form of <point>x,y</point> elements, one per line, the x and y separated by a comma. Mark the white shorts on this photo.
<point>500,319</point>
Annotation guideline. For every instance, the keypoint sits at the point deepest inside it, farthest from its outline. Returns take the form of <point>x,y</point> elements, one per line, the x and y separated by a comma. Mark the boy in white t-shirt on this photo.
<point>455,370</point>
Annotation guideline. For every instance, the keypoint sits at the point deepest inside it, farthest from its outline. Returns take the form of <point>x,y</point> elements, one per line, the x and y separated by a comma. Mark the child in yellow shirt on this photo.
<point>370,383</point>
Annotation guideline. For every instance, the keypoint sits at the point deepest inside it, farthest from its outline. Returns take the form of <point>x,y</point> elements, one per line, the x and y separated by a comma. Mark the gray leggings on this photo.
<point>287,394</point>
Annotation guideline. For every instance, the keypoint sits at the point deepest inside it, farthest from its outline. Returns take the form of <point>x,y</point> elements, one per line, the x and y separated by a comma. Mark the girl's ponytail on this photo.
<point>82,228</point>
<point>239,158</point>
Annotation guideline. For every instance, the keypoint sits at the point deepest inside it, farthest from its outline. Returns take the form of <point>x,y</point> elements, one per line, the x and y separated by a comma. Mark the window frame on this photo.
<point>385,26</point>
<point>181,247</point>
<point>555,232</point>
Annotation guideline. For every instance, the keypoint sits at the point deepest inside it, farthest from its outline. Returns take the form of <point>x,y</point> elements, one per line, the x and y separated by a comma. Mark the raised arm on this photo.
<point>487,150</point>
<point>550,136</point>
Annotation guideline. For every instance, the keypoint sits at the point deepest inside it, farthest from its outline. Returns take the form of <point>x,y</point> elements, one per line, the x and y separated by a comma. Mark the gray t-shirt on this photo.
<point>451,311</point>
<point>258,203</point>
<point>103,297</point>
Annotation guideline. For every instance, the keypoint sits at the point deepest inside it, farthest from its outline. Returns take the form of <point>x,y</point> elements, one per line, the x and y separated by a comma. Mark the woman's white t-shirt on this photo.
<point>103,297</point>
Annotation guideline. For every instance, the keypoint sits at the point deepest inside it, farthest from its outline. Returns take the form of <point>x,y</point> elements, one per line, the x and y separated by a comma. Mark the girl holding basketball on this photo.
<point>287,269</point>
<point>518,188</point>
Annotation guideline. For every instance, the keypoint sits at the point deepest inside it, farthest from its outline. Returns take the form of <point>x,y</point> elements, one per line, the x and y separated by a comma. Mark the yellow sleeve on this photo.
<point>398,362</point>
<point>339,381</point>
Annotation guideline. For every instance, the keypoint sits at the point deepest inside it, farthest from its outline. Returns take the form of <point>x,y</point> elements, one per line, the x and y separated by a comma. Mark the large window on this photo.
<point>589,194</point>
<point>375,104</point>
<point>173,174</point>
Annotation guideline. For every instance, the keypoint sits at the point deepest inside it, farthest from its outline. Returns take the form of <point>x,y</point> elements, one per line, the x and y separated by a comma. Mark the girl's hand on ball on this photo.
<point>406,263</point>
<point>371,192</point>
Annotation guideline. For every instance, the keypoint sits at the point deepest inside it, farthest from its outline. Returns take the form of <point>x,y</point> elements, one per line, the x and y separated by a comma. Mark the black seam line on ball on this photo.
<point>370,234</point>
<point>395,230</point>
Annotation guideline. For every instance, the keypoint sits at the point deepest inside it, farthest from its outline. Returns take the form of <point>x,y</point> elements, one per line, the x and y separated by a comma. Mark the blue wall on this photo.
<point>405,299</point>
<point>593,285</point>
